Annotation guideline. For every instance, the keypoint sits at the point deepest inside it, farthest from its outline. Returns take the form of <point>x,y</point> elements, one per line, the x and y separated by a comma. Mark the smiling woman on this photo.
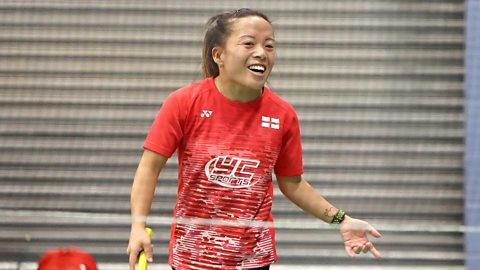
<point>244,59</point>
<point>227,158</point>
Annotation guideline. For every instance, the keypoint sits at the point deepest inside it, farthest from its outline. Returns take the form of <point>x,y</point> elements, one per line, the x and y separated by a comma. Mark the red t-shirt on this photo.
<point>227,151</point>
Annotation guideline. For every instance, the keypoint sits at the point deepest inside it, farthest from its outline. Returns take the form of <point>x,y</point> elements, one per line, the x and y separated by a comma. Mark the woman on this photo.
<point>232,133</point>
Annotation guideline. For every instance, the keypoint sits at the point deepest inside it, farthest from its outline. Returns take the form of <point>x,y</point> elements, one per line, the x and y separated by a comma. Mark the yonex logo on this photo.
<point>206,113</point>
<point>231,172</point>
<point>270,122</point>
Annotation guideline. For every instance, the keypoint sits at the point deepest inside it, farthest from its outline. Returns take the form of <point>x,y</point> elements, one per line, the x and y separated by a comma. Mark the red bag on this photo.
<point>67,259</point>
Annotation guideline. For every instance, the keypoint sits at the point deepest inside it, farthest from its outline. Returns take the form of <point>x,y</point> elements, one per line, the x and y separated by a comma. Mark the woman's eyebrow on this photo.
<point>247,36</point>
<point>253,37</point>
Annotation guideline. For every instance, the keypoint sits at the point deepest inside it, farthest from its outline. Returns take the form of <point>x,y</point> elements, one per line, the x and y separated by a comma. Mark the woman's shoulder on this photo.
<point>280,102</point>
<point>193,90</point>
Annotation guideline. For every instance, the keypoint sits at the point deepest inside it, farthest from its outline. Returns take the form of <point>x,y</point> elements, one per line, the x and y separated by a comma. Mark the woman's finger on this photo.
<point>375,252</point>
<point>366,247</point>
<point>371,230</point>
<point>349,251</point>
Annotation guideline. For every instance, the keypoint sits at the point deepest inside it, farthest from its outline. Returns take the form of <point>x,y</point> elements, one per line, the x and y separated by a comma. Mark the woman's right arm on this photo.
<point>143,190</point>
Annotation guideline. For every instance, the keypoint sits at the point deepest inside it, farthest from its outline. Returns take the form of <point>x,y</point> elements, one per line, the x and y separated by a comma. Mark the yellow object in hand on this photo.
<point>142,260</point>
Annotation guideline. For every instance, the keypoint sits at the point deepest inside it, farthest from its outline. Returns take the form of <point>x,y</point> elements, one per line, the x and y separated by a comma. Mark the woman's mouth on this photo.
<point>260,69</point>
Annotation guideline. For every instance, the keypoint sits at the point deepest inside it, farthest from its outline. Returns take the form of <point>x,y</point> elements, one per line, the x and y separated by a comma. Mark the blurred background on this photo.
<point>378,86</point>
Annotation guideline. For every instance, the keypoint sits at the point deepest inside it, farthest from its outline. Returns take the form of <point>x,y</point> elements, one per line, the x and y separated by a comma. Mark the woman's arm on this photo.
<point>143,190</point>
<point>301,193</point>
<point>353,231</point>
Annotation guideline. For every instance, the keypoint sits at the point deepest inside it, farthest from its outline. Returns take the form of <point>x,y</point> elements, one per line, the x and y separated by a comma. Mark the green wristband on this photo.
<point>339,217</point>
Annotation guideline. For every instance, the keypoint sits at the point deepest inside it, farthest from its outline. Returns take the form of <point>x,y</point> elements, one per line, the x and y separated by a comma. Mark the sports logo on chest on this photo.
<point>206,113</point>
<point>231,172</point>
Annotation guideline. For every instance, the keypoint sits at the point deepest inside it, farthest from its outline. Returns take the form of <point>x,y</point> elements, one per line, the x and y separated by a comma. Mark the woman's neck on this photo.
<point>234,93</point>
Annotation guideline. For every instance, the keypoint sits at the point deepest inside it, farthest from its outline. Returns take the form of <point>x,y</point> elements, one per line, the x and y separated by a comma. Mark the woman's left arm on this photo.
<point>353,231</point>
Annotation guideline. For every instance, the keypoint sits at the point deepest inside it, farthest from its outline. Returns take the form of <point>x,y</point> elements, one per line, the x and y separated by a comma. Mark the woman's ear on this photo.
<point>217,54</point>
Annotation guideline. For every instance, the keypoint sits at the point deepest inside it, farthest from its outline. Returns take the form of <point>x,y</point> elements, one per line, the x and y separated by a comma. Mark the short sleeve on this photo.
<point>166,131</point>
<point>290,160</point>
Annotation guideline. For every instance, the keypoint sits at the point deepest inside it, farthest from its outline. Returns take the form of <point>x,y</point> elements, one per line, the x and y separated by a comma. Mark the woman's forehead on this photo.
<point>251,25</point>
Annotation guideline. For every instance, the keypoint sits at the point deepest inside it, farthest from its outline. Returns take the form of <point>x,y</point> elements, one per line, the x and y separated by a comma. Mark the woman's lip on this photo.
<point>257,73</point>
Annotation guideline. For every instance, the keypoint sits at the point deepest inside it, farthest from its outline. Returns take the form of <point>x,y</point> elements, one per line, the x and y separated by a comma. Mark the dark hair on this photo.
<point>217,30</point>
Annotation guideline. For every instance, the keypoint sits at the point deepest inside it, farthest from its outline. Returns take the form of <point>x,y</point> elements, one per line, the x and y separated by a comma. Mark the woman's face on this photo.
<point>246,60</point>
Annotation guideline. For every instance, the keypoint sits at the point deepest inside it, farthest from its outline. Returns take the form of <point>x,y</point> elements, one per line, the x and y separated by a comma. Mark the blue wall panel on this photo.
<point>472,134</point>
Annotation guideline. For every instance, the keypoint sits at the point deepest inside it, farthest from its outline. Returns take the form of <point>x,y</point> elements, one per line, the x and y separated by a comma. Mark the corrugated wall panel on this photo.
<point>377,85</point>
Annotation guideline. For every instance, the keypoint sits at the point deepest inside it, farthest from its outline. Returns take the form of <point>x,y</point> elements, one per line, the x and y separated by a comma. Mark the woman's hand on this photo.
<point>354,234</point>
<point>139,240</point>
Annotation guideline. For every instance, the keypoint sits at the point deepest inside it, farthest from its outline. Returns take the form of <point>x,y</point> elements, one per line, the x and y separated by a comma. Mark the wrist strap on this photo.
<point>339,217</point>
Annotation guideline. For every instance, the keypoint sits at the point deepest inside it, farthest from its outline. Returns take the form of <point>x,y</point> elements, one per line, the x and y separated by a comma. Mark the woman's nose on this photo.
<point>260,53</point>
